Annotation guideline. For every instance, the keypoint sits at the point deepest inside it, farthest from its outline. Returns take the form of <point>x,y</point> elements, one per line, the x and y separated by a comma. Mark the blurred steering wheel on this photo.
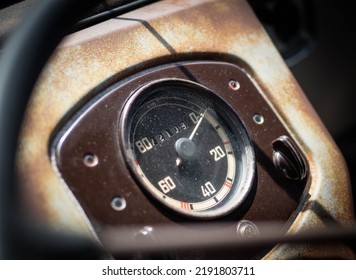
<point>23,58</point>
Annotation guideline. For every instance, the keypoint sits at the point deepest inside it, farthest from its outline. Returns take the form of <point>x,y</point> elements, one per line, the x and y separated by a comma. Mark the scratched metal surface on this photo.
<point>92,59</point>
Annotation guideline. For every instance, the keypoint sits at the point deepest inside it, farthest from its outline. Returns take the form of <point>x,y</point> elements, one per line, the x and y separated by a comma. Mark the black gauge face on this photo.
<point>187,149</point>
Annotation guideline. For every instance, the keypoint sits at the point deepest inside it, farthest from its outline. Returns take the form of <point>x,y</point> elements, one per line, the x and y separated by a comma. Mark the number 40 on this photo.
<point>208,189</point>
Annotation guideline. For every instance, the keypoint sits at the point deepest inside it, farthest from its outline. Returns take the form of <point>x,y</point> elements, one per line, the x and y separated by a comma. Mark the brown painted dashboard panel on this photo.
<point>96,130</point>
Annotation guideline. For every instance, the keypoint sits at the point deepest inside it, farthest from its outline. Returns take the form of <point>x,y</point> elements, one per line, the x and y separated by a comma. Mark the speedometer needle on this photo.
<point>198,124</point>
<point>179,160</point>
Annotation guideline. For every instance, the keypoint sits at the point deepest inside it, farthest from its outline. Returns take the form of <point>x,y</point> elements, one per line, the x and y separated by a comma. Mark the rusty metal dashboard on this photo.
<point>81,168</point>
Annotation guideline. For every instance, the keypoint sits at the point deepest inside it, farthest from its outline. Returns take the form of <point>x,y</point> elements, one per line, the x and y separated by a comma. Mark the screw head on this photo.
<point>118,203</point>
<point>247,229</point>
<point>259,119</point>
<point>90,160</point>
<point>234,85</point>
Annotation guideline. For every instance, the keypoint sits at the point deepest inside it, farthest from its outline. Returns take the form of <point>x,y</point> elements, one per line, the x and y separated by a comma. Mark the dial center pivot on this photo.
<point>185,148</point>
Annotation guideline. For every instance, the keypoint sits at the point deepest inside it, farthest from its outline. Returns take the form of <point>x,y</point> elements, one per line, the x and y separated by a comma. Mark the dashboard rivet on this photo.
<point>247,229</point>
<point>118,203</point>
<point>90,160</point>
<point>234,85</point>
<point>259,119</point>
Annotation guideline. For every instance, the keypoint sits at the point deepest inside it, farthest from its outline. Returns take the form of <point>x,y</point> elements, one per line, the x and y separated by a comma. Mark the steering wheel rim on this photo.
<point>23,59</point>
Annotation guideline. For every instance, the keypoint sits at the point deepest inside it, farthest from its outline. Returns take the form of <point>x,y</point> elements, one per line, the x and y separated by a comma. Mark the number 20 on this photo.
<point>217,152</point>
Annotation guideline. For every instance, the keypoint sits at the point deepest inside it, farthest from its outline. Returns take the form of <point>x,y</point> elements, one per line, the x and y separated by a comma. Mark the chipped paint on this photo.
<point>90,60</point>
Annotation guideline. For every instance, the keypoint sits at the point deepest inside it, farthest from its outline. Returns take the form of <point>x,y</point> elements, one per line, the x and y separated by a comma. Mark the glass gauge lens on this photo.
<point>188,149</point>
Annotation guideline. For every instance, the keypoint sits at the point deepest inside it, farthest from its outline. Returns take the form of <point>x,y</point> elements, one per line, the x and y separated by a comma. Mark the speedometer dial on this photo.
<point>187,149</point>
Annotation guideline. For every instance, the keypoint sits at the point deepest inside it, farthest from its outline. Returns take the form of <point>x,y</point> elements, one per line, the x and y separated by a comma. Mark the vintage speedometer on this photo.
<point>187,148</point>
